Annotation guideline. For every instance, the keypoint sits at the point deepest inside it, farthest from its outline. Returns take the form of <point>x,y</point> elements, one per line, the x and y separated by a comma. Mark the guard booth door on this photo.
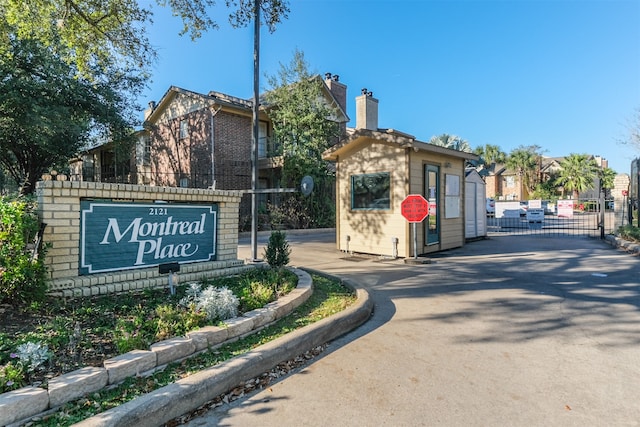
<point>431,186</point>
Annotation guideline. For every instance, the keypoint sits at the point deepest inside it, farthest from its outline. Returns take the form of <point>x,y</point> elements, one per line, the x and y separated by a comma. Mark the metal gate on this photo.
<point>582,218</point>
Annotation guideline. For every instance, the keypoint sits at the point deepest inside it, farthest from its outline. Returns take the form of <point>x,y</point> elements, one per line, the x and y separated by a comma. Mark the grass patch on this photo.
<point>329,297</point>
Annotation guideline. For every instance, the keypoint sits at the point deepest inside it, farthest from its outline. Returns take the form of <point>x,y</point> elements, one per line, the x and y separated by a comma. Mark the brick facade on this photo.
<point>194,140</point>
<point>175,157</point>
<point>232,139</point>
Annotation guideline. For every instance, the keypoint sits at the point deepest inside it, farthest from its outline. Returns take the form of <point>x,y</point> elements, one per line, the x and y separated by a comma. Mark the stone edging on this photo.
<point>26,402</point>
<point>620,243</point>
<point>162,405</point>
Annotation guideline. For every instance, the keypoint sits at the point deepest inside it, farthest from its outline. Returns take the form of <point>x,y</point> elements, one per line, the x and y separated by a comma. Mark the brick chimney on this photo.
<point>338,90</point>
<point>366,111</point>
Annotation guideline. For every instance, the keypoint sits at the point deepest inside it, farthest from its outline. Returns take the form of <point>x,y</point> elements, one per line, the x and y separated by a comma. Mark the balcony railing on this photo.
<point>269,147</point>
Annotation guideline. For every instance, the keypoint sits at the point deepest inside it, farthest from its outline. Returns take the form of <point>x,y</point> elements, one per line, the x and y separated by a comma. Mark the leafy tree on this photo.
<point>451,141</point>
<point>304,126</point>
<point>47,113</point>
<point>68,65</point>
<point>110,35</point>
<point>546,190</point>
<point>525,162</point>
<point>577,173</point>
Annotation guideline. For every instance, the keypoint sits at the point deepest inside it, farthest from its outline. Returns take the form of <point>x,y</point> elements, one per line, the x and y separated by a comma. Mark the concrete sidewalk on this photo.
<point>519,331</point>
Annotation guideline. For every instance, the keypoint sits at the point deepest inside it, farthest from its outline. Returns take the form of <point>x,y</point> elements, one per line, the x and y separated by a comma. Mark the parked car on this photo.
<point>491,206</point>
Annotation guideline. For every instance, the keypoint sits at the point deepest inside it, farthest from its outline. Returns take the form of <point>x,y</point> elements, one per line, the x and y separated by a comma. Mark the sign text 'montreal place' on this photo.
<point>120,236</point>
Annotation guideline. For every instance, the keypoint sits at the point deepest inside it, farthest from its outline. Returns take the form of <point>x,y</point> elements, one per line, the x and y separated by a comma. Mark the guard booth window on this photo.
<point>371,191</point>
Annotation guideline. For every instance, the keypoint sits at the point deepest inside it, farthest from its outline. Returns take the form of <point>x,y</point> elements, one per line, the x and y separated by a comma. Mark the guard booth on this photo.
<point>375,171</point>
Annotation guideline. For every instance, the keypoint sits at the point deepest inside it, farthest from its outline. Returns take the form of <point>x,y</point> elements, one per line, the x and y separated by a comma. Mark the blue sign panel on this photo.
<point>122,236</point>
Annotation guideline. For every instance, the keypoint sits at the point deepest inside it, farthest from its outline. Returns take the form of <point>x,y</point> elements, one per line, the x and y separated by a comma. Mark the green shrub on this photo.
<point>629,232</point>
<point>22,270</point>
<point>128,336</point>
<point>12,377</point>
<point>277,250</point>
<point>256,295</point>
<point>174,321</point>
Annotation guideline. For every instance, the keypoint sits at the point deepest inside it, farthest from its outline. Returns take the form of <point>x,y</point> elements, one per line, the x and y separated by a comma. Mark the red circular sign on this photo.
<point>414,208</point>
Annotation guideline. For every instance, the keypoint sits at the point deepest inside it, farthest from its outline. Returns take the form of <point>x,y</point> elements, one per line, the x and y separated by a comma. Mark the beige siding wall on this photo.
<point>59,208</point>
<point>451,229</point>
<point>371,231</point>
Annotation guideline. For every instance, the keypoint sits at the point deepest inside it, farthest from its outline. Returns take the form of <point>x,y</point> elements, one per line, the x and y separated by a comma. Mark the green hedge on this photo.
<point>22,270</point>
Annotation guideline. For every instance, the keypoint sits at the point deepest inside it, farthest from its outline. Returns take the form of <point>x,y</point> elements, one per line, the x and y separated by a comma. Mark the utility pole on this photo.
<point>256,132</point>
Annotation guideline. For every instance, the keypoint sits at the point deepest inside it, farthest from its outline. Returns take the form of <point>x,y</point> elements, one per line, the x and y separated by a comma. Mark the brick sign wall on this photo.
<point>117,251</point>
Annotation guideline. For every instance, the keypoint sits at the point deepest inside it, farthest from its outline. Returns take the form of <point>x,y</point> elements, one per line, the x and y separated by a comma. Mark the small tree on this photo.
<point>304,126</point>
<point>277,251</point>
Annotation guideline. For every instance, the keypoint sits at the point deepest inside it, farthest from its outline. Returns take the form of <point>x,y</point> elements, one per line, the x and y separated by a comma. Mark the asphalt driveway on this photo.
<point>517,331</point>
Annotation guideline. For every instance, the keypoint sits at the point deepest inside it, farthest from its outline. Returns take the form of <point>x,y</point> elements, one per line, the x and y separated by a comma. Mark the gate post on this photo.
<point>601,203</point>
<point>620,188</point>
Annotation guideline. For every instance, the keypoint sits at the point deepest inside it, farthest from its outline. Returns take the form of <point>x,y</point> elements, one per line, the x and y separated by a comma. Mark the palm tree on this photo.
<point>577,174</point>
<point>490,155</point>
<point>607,177</point>
<point>451,141</point>
<point>524,161</point>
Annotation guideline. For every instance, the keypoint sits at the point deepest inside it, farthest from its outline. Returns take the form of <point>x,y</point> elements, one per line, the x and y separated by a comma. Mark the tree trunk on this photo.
<point>29,184</point>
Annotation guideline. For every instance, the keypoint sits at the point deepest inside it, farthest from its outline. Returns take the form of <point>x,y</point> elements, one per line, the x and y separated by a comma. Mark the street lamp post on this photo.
<point>255,134</point>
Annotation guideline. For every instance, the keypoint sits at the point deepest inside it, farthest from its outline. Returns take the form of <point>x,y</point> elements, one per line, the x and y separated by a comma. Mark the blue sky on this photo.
<point>564,75</point>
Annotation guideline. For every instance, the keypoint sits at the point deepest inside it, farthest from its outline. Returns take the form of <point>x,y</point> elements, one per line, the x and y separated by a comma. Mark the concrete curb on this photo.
<point>631,247</point>
<point>169,402</point>
<point>291,232</point>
